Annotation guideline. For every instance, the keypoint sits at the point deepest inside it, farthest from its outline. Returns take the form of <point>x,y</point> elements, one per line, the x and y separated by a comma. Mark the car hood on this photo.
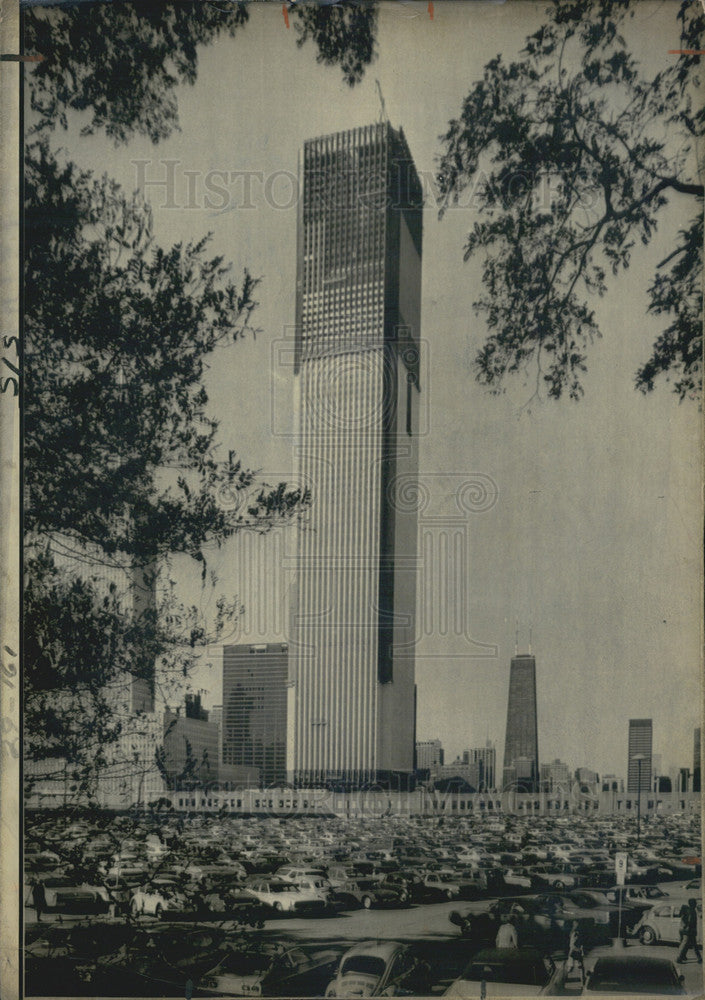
<point>230,982</point>
<point>356,984</point>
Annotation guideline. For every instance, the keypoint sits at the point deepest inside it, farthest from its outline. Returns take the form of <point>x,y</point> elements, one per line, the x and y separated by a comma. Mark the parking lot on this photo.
<point>153,906</point>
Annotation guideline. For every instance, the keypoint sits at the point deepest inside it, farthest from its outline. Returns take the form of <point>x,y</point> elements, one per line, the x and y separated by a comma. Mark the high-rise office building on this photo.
<point>639,755</point>
<point>696,759</point>
<point>429,754</point>
<point>521,746</point>
<point>358,389</point>
<point>216,717</point>
<point>485,759</point>
<point>555,777</point>
<point>254,723</point>
<point>190,745</point>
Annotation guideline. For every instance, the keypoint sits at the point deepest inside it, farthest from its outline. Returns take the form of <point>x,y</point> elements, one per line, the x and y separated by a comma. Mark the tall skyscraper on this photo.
<point>639,755</point>
<point>254,721</point>
<point>358,387</point>
<point>521,745</point>
<point>696,759</point>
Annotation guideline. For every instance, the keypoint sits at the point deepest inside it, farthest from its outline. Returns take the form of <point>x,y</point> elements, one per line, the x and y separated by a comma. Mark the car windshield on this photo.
<point>247,963</point>
<point>533,973</point>
<point>279,887</point>
<point>634,977</point>
<point>367,965</point>
<point>587,902</point>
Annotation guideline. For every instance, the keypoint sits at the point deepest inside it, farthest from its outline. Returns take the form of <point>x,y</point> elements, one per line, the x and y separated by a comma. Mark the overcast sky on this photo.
<point>595,535</point>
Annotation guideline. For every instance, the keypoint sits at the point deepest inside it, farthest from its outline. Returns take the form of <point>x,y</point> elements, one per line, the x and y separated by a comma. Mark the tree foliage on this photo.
<point>344,34</point>
<point>122,470</point>
<point>120,450</point>
<point>572,154</point>
<point>120,62</point>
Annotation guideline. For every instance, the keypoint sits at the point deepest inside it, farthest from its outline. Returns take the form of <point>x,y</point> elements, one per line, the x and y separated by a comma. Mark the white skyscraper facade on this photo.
<point>351,681</point>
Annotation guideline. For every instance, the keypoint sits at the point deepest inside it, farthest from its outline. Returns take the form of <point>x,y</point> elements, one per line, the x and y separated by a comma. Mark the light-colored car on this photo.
<point>445,884</point>
<point>376,968</point>
<point>294,873</point>
<point>151,900</point>
<point>518,877</point>
<point>285,897</point>
<point>554,876</point>
<point>508,972</point>
<point>662,923</point>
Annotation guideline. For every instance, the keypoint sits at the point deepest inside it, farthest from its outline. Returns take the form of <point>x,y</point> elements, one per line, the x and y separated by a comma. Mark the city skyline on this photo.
<point>593,536</point>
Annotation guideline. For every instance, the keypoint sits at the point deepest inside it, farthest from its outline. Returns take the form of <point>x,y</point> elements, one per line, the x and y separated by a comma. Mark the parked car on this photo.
<point>553,876</point>
<point>63,897</point>
<point>512,972</point>
<point>270,971</point>
<point>662,922</point>
<point>375,968</point>
<point>633,974</point>
<point>621,919</point>
<point>407,882</point>
<point>519,878</point>
<point>368,893</point>
<point>294,873</point>
<point>284,897</point>
<point>441,885</point>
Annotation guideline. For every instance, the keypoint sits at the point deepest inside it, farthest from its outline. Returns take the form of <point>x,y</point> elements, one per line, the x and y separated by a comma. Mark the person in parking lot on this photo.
<point>39,899</point>
<point>576,950</point>
<point>689,931</point>
<point>506,935</point>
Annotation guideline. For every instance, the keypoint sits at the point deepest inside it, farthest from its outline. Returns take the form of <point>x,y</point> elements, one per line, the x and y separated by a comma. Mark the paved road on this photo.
<point>429,928</point>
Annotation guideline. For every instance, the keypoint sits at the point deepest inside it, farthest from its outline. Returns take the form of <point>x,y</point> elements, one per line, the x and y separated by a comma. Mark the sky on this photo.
<point>594,538</point>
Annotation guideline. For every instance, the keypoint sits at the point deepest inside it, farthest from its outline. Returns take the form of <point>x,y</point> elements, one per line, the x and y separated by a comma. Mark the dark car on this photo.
<point>271,970</point>
<point>409,883</point>
<point>621,919</point>
<point>368,893</point>
<point>633,974</point>
<point>516,971</point>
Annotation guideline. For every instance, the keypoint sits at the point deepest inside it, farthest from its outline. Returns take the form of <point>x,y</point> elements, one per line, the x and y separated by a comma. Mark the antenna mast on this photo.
<point>382,105</point>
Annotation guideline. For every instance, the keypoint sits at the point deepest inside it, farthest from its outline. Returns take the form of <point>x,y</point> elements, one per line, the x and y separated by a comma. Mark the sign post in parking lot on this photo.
<point>620,869</point>
<point>620,866</point>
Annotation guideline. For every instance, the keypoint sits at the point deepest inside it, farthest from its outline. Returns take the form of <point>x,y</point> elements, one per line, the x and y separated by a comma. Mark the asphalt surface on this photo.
<point>428,928</point>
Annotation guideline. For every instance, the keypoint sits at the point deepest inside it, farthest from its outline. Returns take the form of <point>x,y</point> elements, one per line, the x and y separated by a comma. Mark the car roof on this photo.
<point>610,962</point>
<point>378,949</point>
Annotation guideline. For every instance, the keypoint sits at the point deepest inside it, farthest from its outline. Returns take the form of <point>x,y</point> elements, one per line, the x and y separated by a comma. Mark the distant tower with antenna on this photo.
<point>521,744</point>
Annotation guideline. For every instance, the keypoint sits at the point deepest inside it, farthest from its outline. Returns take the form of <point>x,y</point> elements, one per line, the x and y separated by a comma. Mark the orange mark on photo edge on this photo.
<point>686,52</point>
<point>14,58</point>
<point>430,9</point>
<point>286,15</point>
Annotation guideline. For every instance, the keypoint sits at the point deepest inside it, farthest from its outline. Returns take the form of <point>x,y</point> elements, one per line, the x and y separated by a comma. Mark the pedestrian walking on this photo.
<point>576,950</point>
<point>688,930</point>
<point>506,935</point>
<point>39,899</point>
